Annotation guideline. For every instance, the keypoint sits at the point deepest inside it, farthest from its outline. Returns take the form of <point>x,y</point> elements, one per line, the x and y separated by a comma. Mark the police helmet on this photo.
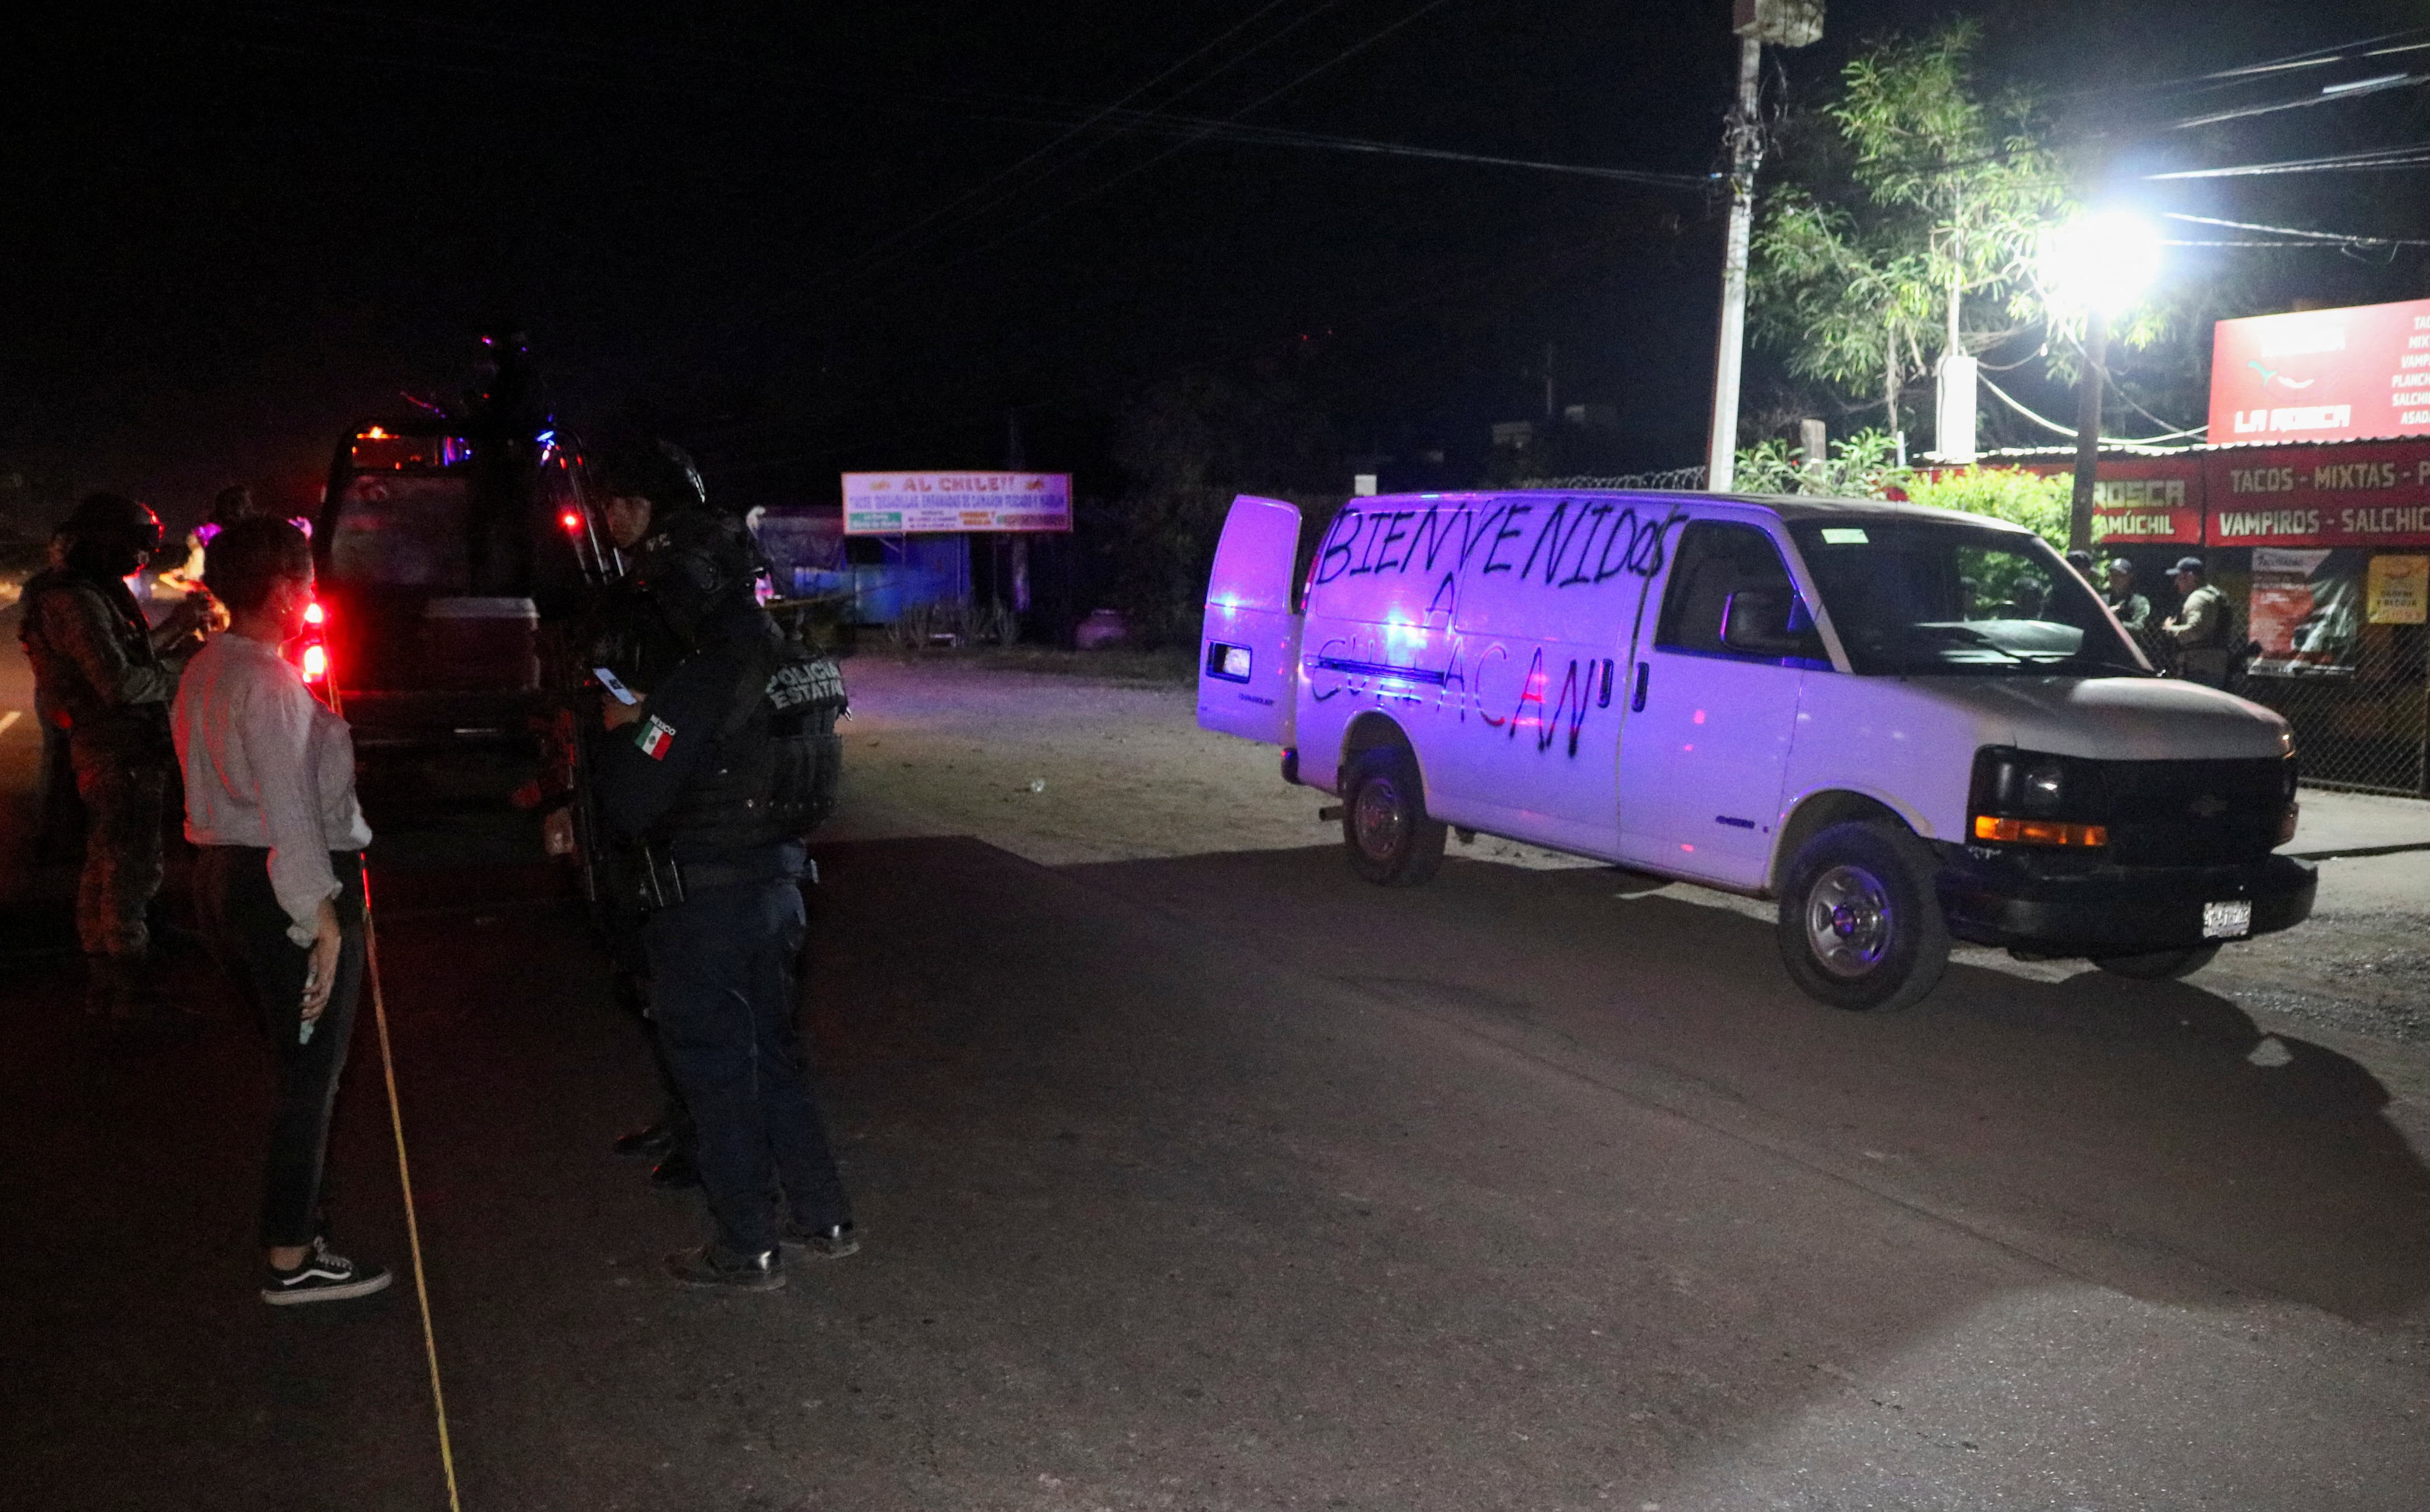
<point>657,470</point>
<point>114,534</point>
<point>695,563</point>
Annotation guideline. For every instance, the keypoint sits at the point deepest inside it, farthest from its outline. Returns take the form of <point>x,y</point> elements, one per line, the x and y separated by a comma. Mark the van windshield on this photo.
<point>1911,598</point>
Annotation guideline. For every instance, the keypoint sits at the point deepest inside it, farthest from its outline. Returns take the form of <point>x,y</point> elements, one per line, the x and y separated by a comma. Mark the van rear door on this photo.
<point>1250,637</point>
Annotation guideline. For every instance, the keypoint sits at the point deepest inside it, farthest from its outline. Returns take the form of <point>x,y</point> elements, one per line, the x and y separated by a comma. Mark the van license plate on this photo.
<point>2227,920</point>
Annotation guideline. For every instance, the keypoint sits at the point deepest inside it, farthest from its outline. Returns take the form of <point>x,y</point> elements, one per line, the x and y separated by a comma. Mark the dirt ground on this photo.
<point>1066,768</point>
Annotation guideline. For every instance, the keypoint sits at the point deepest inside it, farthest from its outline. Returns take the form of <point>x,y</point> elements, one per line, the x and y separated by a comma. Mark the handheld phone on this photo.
<point>616,689</point>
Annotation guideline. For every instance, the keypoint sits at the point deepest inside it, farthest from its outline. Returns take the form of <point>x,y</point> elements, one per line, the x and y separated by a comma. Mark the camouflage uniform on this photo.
<point>2201,632</point>
<point>97,677</point>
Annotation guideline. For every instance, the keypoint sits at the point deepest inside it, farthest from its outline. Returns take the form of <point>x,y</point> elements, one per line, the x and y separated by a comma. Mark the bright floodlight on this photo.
<point>2103,261</point>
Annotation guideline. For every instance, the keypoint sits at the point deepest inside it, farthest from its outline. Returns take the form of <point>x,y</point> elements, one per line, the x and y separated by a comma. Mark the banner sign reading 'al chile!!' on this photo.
<point>2323,374</point>
<point>924,503</point>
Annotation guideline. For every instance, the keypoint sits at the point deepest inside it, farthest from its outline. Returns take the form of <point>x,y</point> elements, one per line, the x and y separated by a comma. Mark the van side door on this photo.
<point>1249,641</point>
<point>1548,609</point>
<point>1712,701</point>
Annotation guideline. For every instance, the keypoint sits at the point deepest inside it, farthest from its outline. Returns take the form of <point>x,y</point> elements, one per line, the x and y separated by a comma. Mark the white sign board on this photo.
<point>915,504</point>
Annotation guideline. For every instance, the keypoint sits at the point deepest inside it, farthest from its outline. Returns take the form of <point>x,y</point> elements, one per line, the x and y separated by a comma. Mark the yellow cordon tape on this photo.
<point>405,1179</point>
<point>404,1169</point>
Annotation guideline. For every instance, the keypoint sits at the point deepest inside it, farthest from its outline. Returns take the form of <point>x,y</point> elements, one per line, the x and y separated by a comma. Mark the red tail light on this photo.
<point>316,662</point>
<point>315,614</point>
<point>572,521</point>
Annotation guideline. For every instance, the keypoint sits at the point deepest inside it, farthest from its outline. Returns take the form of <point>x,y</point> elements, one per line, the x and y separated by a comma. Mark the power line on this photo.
<point>870,254</point>
<point>2412,155</point>
<point>2069,431</point>
<point>2319,56</point>
<point>1105,186</point>
<point>2329,94</point>
<point>1202,128</point>
<point>2299,234</point>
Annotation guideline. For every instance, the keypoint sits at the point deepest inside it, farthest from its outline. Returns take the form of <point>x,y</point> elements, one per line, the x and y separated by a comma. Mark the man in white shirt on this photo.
<point>269,801</point>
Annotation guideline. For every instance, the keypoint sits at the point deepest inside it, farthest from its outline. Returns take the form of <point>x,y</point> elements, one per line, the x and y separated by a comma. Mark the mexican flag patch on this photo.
<point>656,737</point>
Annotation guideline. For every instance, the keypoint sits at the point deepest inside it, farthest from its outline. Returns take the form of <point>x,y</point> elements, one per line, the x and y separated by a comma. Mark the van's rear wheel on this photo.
<point>2159,965</point>
<point>1861,924</point>
<point>1384,822</point>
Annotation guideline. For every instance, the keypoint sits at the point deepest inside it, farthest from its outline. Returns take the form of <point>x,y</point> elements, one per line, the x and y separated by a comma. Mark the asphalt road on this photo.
<point>1226,1181</point>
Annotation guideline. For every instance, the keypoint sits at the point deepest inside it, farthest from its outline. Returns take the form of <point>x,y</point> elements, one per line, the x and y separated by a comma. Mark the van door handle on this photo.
<point>1637,699</point>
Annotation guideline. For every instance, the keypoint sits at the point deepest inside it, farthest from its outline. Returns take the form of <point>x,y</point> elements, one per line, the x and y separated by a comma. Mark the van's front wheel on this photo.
<point>1384,824</point>
<point>1861,924</point>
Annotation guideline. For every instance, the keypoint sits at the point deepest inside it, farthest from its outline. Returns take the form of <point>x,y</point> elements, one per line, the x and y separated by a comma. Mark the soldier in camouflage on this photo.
<point>104,676</point>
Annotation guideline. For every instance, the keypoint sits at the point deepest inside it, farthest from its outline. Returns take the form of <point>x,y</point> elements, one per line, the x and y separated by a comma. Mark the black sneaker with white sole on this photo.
<point>713,1266</point>
<point>828,1242</point>
<point>322,1277</point>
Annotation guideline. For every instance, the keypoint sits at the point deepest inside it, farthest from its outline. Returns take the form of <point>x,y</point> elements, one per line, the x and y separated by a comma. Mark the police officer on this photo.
<point>625,632</point>
<point>106,677</point>
<point>2200,627</point>
<point>689,775</point>
<point>2133,609</point>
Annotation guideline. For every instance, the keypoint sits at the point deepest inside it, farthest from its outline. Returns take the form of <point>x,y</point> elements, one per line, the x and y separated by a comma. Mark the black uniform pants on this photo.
<point>722,990</point>
<point>246,931</point>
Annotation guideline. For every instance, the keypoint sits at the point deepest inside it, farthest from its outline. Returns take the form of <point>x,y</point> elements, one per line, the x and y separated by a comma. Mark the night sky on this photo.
<point>787,235</point>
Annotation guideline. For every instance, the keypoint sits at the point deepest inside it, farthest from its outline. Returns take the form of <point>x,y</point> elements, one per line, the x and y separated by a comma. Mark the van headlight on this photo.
<point>2035,798</point>
<point>2041,787</point>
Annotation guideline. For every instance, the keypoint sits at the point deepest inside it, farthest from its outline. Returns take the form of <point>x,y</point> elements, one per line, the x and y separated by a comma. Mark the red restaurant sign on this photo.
<point>2139,501</point>
<point>2153,500</point>
<point>2323,374</point>
<point>2362,495</point>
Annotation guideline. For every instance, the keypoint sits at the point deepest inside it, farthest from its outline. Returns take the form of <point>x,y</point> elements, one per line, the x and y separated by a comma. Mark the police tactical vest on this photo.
<point>777,759</point>
<point>62,695</point>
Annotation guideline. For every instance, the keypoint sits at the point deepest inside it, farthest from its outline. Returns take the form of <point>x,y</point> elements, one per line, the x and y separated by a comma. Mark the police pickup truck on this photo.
<point>1909,727</point>
<point>443,550</point>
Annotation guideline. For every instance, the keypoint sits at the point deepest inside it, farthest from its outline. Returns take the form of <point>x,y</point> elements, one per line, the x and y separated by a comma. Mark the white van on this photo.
<point>1909,726</point>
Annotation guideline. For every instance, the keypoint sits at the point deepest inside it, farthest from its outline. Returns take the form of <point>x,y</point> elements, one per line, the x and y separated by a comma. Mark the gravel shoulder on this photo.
<point>1071,770</point>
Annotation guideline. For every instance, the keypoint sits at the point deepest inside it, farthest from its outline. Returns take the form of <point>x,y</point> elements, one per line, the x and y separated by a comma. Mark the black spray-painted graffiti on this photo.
<point>1461,685</point>
<point>1577,542</point>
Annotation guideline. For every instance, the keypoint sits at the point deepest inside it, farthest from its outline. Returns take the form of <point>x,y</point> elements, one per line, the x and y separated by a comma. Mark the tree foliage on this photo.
<point>1907,221</point>
<point>1188,446</point>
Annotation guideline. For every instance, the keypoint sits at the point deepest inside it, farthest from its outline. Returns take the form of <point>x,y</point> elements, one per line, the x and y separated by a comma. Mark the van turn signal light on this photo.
<point>2039,832</point>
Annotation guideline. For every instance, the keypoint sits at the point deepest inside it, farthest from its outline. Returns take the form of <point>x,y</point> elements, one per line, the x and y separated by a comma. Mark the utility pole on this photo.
<point>2087,428</point>
<point>1016,458</point>
<point>1784,24</point>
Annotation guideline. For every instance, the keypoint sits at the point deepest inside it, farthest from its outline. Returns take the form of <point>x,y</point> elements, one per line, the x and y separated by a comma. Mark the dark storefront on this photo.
<point>2324,550</point>
<point>2331,544</point>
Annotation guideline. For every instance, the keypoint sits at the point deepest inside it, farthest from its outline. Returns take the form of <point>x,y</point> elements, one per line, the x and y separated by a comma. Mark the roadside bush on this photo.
<point>1865,466</point>
<point>1189,446</point>
<point>2029,499</point>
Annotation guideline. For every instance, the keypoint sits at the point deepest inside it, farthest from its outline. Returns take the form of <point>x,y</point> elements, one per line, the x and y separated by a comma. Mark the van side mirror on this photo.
<point>1768,622</point>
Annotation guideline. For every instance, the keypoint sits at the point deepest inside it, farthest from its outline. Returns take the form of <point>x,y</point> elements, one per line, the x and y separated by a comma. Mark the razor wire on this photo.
<point>1687,478</point>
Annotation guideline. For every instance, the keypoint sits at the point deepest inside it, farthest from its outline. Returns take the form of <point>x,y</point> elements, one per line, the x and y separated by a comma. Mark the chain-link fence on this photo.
<point>2361,726</point>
